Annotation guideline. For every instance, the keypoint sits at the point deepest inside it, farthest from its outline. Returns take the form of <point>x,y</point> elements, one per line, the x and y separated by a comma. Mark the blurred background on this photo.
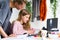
<point>34,7</point>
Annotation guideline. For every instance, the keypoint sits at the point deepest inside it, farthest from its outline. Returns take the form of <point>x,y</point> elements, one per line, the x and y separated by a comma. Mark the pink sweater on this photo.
<point>18,28</point>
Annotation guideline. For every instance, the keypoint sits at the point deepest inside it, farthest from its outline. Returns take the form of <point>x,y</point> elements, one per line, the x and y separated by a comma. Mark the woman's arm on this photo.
<point>2,32</point>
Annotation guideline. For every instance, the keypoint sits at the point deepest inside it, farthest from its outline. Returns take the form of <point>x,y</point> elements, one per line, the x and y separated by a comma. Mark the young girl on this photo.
<point>3,33</point>
<point>21,25</point>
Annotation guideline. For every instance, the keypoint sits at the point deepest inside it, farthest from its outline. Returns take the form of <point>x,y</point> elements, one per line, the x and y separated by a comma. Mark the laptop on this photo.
<point>52,24</point>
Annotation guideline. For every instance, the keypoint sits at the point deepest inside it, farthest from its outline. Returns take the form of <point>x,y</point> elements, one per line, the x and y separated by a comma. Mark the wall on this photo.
<point>58,13</point>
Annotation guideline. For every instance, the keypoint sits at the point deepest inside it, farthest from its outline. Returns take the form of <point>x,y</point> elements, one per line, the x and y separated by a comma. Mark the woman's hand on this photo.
<point>3,33</point>
<point>12,35</point>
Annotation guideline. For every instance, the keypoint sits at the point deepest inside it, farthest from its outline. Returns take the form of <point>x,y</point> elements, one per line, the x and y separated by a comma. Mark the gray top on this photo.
<point>5,13</point>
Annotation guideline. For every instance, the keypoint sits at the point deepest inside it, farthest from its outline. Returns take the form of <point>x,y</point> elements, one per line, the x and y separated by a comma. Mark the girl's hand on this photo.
<point>31,31</point>
<point>58,35</point>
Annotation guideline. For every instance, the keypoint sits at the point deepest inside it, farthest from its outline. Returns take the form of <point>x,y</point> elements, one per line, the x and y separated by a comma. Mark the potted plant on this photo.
<point>29,6</point>
<point>54,7</point>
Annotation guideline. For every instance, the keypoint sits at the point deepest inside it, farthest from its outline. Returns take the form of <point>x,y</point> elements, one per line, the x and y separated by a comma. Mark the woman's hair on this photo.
<point>20,1</point>
<point>24,12</point>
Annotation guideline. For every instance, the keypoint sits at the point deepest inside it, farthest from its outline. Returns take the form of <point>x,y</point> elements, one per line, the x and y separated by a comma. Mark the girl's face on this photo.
<point>25,18</point>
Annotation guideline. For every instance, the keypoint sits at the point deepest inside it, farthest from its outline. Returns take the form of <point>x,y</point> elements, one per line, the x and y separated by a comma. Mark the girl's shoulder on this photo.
<point>17,22</point>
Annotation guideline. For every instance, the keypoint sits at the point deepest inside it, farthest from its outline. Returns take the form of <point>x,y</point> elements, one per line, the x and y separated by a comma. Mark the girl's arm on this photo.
<point>31,31</point>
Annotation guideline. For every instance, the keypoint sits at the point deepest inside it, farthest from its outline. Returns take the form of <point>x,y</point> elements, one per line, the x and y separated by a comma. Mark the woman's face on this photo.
<point>25,18</point>
<point>20,6</point>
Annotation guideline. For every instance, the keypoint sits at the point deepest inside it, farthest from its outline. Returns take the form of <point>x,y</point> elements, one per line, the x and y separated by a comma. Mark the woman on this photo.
<point>21,25</point>
<point>3,33</point>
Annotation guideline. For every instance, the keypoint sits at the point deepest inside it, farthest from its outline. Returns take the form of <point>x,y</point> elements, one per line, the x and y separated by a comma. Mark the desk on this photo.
<point>23,37</point>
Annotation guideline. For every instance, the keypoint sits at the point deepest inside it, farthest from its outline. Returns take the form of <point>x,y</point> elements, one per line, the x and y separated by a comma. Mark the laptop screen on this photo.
<point>52,23</point>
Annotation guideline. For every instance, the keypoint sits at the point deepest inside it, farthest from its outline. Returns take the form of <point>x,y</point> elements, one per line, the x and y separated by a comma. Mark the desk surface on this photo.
<point>23,37</point>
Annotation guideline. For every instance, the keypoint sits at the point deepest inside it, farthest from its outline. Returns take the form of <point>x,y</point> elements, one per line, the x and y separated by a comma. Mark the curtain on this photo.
<point>43,10</point>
